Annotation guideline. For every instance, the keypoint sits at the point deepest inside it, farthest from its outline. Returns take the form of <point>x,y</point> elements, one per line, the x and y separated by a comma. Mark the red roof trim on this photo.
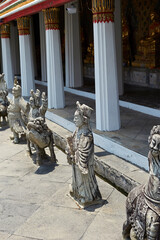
<point>35,9</point>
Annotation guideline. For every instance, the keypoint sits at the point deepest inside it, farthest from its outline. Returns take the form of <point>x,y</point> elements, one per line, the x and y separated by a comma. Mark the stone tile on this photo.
<point>16,237</point>
<point>4,235</point>
<point>15,168</point>
<point>55,223</point>
<point>116,204</point>
<point>8,149</point>
<point>104,226</point>
<point>6,181</point>
<point>30,190</point>
<point>14,214</point>
<point>60,173</point>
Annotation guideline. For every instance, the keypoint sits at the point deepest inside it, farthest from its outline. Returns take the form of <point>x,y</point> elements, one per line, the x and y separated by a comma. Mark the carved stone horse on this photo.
<point>41,136</point>
<point>143,202</point>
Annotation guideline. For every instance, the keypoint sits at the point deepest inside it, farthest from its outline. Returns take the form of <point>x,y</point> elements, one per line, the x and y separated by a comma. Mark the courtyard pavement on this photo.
<point>34,202</point>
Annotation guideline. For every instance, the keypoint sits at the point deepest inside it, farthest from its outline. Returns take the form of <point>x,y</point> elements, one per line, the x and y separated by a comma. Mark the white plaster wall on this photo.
<point>106,85</point>
<point>118,38</point>
<point>15,49</point>
<point>32,37</point>
<point>73,55</point>
<point>54,70</point>
<point>43,47</point>
<point>27,68</point>
<point>7,61</point>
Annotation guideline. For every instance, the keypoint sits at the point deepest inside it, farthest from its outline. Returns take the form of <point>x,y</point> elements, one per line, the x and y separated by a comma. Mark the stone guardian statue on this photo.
<point>4,102</point>
<point>143,202</point>
<point>80,154</point>
<point>17,109</point>
<point>39,136</point>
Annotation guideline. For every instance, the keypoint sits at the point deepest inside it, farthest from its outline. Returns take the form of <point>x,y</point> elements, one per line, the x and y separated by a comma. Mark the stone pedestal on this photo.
<point>73,59</point>
<point>54,59</point>
<point>26,56</point>
<point>106,83</point>
<point>6,55</point>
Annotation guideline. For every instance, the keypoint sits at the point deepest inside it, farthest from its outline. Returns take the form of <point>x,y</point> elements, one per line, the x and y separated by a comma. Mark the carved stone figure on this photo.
<point>4,103</point>
<point>80,154</point>
<point>36,109</point>
<point>39,135</point>
<point>143,202</point>
<point>17,108</point>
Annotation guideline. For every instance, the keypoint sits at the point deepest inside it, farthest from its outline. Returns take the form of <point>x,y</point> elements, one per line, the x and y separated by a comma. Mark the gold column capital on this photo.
<point>103,10</point>
<point>5,30</point>
<point>23,24</point>
<point>51,18</point>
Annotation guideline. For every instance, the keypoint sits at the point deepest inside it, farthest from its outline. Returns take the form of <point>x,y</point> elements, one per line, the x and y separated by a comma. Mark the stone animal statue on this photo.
<point>80,154</point>
<point>17,109</point>
<point>41,136</point>
<point>3,105</point>
<point>143,202</point>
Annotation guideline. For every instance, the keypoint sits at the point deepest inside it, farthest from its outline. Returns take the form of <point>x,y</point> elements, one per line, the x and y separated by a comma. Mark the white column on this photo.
<point>118,37</point>
<point>54,59</point>
<point>6,55</point>
<point>43,47</point>
<point>106,84</point>
<point>73,58</point>
<point>26,56</point>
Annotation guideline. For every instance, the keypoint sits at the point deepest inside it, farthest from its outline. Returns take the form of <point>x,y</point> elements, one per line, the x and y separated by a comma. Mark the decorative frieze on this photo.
<point>5,30</point>
<point>23,25</point>
<point>51,18</point>
<point>103,10</point>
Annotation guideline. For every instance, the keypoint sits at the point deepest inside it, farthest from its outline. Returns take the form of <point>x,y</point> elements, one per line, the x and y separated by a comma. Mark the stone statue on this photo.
<point>17,108</point>
<point>143,202</point>
<point>36,108</point>
<point>80,154</point>
<point>39,135</point>
<point>4,103</point>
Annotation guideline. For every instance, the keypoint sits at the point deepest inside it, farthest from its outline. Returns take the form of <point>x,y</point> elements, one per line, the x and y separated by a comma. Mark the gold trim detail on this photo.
<point>5,30</point>
<point>23,24</point>
<point>103,10</point>
<point>51,18</point>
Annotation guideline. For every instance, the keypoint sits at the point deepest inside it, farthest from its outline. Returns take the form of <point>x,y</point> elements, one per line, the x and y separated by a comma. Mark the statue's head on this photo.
<point>16,90</point>
<point>154,141</point>
<point>82,115</point>
<point>154,16</point>
<point>35,98</point>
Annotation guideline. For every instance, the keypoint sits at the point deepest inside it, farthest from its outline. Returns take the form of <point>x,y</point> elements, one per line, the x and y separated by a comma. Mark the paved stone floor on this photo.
<point>34,202</point>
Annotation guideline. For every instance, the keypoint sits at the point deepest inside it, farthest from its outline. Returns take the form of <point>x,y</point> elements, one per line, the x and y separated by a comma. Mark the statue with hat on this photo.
<point>80,154</point>
<point>17,109</point>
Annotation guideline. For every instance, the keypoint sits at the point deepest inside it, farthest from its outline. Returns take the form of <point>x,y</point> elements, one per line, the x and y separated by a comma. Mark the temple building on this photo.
<point>66,45</point>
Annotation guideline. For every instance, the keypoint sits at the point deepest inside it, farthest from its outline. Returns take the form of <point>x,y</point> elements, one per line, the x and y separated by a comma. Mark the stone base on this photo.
<point>142,76</point>
<point>89,204</point>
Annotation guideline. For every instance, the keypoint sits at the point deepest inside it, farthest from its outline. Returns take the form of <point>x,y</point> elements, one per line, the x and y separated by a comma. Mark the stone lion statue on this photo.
<point>143,202</point>
<point>41,137</point>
